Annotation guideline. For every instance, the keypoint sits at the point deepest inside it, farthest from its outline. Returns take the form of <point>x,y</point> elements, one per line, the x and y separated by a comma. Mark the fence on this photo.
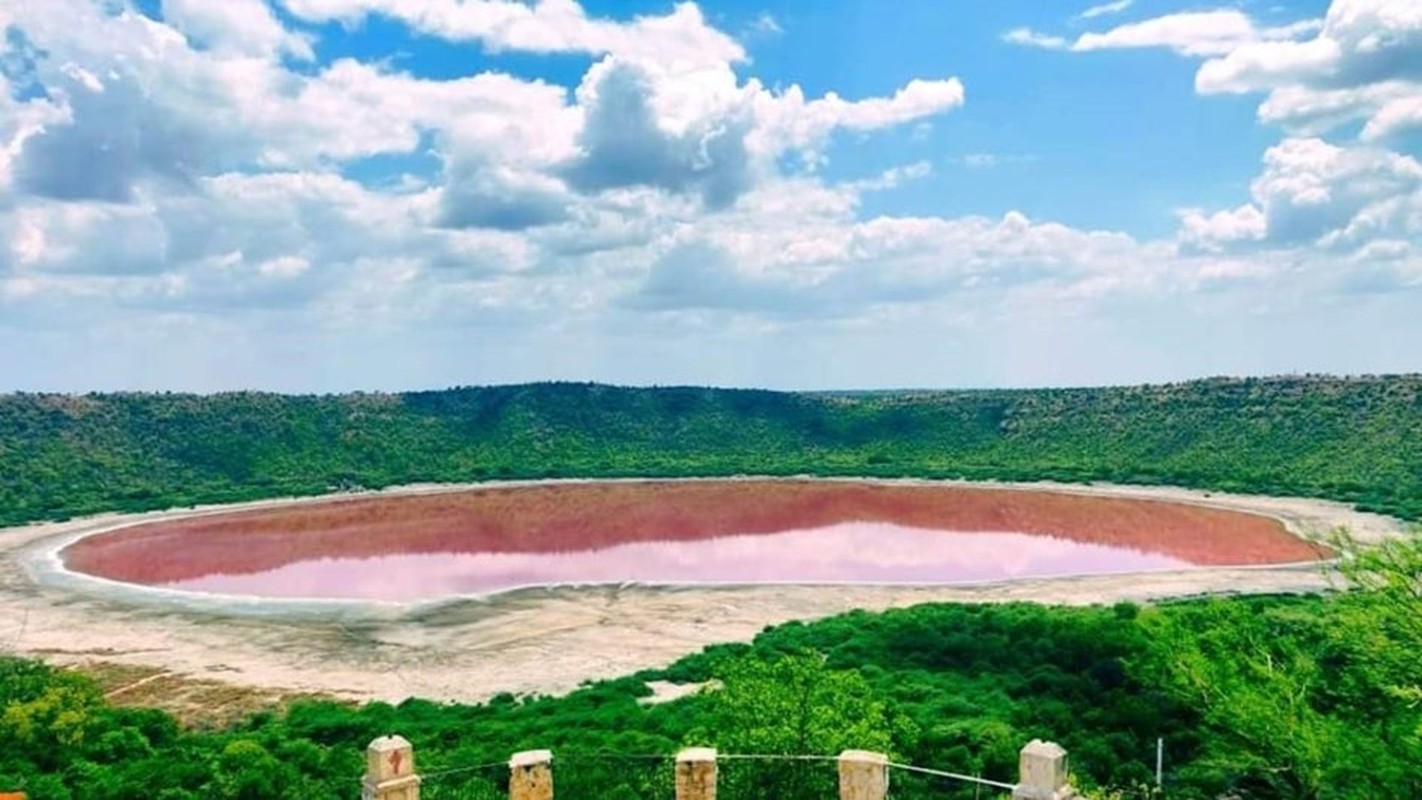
<point>703,774</point>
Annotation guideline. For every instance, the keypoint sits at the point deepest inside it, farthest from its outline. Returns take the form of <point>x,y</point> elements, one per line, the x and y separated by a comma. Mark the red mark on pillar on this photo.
<point>396,759</point>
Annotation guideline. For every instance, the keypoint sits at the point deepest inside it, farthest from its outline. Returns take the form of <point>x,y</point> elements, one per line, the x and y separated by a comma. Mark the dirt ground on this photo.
<point>147,647</point>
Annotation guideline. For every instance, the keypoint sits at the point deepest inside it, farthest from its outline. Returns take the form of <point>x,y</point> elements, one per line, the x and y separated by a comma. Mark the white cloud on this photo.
<point>237,27</point>
<point>1031,38</point>
<point>1361,62</point>
<point>1214,232</point>
<point>88,239</point>
<point>1105,9</point>
<point>893,177</point>
<point>1315,193</point>
<point>1401,113</point>
<point>352,110</point>
<point>1360,41</point>
<point>170,107</point>
<point>993,160</point>
<point>1365,62</point>
<point>788,121</point>
<point>623,142</point>
<point>188,172</point>
<point>1190,33</point>
<point>765,25</point>
<point>284,267</point>
<point>506,145</point>
<point>681,40</point>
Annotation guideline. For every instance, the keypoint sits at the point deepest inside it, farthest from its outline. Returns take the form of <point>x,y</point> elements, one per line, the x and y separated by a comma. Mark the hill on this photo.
<point>1352,439</point>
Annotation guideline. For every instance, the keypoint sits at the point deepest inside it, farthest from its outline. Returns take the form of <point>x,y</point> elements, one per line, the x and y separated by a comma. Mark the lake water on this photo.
<point>861,552</point>
<point>424,546</point>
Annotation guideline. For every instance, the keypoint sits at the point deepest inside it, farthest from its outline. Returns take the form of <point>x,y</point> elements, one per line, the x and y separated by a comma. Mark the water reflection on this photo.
<point>855,552</point>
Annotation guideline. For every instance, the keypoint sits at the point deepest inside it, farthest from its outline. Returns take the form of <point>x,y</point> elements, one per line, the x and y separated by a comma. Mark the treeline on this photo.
<point>1265,697</point>
<point>1353,439</point>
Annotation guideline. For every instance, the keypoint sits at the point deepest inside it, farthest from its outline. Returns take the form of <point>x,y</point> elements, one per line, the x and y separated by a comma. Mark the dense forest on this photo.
<point>1265,697</point>
<point>1352,439</point>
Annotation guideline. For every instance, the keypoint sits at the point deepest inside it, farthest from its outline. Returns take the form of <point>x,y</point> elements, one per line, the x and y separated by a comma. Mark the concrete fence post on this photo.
<point>696,774</point>
<point>863,775</point>
<point>531,775</point>
<point>390,770</point>
<point>1043,773</point>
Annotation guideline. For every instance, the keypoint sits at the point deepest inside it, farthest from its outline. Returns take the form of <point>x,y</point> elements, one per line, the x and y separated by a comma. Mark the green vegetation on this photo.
<point>1355,439</point>
<point>1314,697</point>
<point>1291,697</point>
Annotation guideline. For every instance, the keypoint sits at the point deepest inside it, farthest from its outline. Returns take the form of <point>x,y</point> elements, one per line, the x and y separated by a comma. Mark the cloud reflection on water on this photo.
<point>854,552</point>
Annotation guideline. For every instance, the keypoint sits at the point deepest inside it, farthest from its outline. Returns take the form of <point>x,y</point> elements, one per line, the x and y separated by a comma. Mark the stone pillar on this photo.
<point>531,775</point>
<point>863,775</point>
<point>390,770</point>
<point>1043,773</point>
<point>696,774</point>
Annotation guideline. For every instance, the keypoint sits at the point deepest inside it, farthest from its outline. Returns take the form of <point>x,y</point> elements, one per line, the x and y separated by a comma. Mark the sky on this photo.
<point>336,195</point>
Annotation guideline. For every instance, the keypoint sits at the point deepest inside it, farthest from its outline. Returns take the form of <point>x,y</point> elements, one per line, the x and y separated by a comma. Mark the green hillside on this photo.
<point>1353,439</point>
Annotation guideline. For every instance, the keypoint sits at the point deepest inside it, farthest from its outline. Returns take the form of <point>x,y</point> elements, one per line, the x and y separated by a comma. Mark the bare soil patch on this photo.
<point>194,702</point>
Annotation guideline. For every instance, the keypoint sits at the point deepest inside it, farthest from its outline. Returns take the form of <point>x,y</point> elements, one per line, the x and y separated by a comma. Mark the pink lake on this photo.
<point>850,552</point>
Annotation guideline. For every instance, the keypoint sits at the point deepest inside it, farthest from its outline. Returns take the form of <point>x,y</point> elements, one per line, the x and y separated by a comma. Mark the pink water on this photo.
<point>855,552</point>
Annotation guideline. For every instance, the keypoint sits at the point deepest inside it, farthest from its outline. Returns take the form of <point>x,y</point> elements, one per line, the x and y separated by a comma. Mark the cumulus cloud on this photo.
<point>1215,232</point>
<point>141,107</point>
<point>715,137</point>
<point>481,195</point>
<point>1363,60</point>
<point>788,120</point>
<point>701,275</point>
<point>1361,63</point>
<point>1313,192</point>
<point>1400,113</point>
<point>681,39</point>
<point>815,259</point>
<point>622,142</point>
<point>112,139</point>
<point>238,27</point>
<point>192,168</point>
<point>1310,188</point>
<point>121,108</point>
<point>88,239</point>
<point>1360,41</point>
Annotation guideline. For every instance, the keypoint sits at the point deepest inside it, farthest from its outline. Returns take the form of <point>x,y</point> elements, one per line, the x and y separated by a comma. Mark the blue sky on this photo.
<point>322,195</point>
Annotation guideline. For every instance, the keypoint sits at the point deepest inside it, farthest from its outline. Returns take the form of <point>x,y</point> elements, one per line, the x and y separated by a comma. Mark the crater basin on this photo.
<point>484,541</point>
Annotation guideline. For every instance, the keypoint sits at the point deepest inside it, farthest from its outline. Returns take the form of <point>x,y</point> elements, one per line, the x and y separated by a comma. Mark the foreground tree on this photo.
<point>795,706</point>
<point>1314,699</point>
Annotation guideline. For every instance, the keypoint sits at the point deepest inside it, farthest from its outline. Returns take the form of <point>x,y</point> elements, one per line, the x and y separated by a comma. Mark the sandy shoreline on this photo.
<point>545,641</point>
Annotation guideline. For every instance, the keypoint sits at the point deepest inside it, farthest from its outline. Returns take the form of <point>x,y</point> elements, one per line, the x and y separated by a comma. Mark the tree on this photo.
<point>1384,610</point>
<point>793,705</point>
<point>1311,699</point>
